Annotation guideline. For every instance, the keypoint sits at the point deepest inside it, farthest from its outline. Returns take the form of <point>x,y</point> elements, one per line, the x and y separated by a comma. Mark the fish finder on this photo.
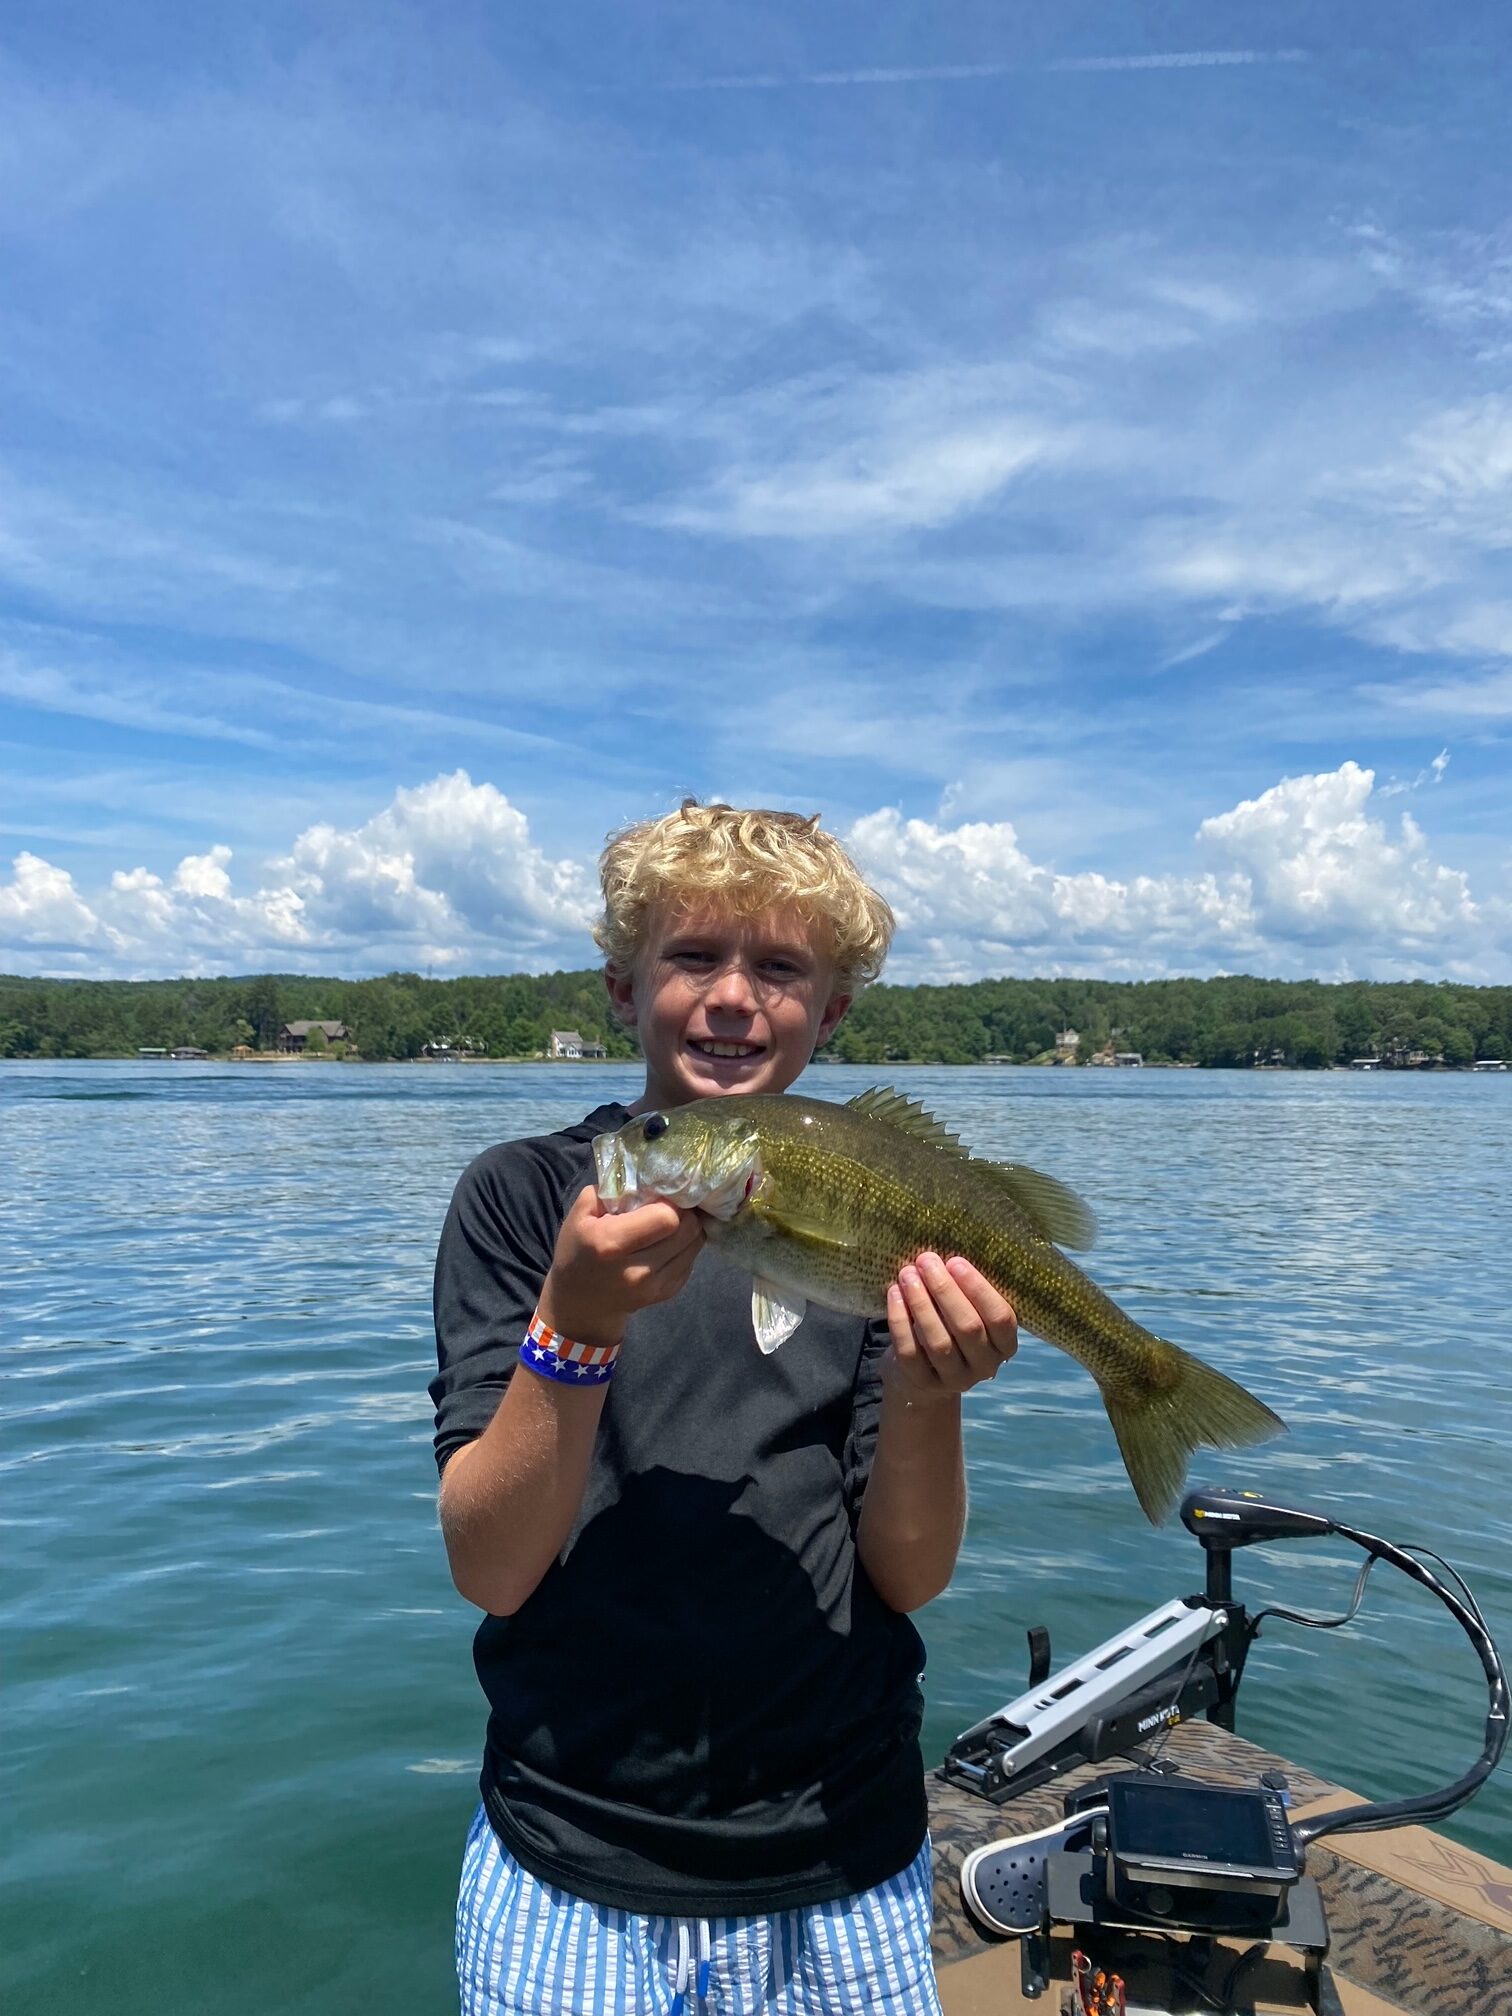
<point>1167,1838</point>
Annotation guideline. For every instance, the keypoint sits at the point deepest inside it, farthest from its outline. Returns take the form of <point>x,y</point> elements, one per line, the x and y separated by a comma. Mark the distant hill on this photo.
<point>1234,1022</point>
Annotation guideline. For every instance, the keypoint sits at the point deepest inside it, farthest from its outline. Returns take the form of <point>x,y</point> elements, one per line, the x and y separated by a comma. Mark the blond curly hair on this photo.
<point>745,862</point>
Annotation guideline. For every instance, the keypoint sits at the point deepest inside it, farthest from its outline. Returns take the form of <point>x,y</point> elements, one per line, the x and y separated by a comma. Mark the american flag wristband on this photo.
<point>554,1356</point>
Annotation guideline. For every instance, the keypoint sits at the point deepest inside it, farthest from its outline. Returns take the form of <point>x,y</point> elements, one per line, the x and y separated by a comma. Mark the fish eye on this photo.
<point>655,1126</point>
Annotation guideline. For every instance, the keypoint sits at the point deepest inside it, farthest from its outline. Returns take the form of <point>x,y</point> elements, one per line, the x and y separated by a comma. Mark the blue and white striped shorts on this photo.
<point>525,1948</point>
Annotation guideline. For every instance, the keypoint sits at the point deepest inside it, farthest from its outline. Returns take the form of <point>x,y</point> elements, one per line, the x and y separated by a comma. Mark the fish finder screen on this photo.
<point>1189,1823</point>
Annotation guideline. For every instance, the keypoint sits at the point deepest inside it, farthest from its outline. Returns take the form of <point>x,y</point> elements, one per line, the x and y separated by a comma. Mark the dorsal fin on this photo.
<point>883,1103</point>
<point>1055,1211</point>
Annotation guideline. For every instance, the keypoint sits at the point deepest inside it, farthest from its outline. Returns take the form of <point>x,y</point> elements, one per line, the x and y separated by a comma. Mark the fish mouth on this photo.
<point>614,1173</point>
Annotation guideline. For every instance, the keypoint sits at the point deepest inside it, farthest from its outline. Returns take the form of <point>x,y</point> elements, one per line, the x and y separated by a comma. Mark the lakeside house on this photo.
<point>151,1054</point>
<point>566,1045</point>
<point>1065,1046</point>
<point>188,1053</point>
<point>1420,1060</point>
<point>295,1036</point>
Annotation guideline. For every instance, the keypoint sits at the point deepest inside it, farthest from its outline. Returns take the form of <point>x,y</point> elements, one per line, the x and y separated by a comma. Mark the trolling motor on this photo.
<point>1148,1851</point>
<point>1121,1693</point>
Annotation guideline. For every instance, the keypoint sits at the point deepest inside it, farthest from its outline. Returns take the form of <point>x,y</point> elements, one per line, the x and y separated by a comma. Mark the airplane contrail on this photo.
<point>965,73</point>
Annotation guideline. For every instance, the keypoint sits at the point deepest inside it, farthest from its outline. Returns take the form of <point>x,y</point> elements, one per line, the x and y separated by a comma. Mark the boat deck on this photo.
<point>1419,1926</point>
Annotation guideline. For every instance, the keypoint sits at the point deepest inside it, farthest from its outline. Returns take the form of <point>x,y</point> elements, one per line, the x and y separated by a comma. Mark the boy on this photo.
<point>702,1784</point>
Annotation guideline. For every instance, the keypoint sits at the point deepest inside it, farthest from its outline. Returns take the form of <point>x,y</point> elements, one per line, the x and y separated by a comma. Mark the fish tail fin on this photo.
<point>1194,1407</point>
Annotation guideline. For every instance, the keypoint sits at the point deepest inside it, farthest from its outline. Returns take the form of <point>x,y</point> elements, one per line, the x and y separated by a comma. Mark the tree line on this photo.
<point>1234,1022</point>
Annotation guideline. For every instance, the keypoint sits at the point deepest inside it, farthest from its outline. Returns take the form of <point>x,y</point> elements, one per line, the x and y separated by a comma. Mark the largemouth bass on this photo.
<point>825,1203</point>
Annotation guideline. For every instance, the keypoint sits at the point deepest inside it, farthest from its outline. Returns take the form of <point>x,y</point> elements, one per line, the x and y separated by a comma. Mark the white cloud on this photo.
<point>1098,457</point>
<point>921,458</point>
<point>1451,479</point>
<point>918,484</point>
<point>195,922</point>
<point>1483,699</point>
<point>42,912</point>
<point>205,703</point>
<point>450,863</point>
<point>126,552</point>
<point>1128,330</point>
<point>1198,648</point>
<point>447,874</point>
<point>1255,565</point>
<point>1323,872</point>
<point>1433,774</point>
<point>1461,280</point>
<point>858,455</point>
<point>970,900</point>
<point>205,874</point>
<point>1305,880</point>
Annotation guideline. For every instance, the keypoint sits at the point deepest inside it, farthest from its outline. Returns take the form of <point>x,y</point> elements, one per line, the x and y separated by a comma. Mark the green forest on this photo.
<point>1232,1023</point>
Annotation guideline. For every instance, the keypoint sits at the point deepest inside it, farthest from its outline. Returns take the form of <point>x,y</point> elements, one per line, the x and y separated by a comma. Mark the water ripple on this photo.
<point>227,1623</point>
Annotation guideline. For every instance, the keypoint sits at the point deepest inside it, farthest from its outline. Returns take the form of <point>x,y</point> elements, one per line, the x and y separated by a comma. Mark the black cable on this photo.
<point>1230,1986</point>
<point>1182,1970</point>
<point>1383,1551</point>
<point>1433,1805</point>
<point>1220,1999</point>
<point>1175,1702</point>
<point>1318,1623</point>
<point>1427,1554</point>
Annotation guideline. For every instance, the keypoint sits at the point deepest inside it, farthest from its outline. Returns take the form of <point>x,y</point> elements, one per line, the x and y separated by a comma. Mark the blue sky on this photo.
<point>1069,447</point>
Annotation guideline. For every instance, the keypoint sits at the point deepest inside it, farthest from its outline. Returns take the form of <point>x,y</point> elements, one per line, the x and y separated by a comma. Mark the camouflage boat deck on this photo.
<point>1419,1926</point>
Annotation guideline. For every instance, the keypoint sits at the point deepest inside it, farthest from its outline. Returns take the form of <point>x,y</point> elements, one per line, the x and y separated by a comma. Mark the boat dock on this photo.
<point>1418,1925</point>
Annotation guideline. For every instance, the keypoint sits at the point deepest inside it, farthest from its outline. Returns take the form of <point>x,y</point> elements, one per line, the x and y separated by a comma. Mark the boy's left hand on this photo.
<point>951,1329</point>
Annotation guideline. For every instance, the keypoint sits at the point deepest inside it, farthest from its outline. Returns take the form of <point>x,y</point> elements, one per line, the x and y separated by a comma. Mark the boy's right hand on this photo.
<point>609,1264</point>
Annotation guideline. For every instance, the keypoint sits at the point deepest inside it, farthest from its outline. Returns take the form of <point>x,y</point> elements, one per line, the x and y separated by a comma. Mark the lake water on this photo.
<point>240,1725</point>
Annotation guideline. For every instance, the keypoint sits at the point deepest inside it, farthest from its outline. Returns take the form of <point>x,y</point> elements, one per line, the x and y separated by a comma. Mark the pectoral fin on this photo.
<point>775,1313</point>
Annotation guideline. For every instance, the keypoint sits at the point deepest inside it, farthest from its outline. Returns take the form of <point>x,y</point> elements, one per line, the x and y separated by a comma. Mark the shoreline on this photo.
<point>1481,1069</point>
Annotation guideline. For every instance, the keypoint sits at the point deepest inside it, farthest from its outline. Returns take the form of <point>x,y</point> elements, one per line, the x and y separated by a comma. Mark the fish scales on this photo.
<point>826,1203</point>
<point>925,1201</point>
